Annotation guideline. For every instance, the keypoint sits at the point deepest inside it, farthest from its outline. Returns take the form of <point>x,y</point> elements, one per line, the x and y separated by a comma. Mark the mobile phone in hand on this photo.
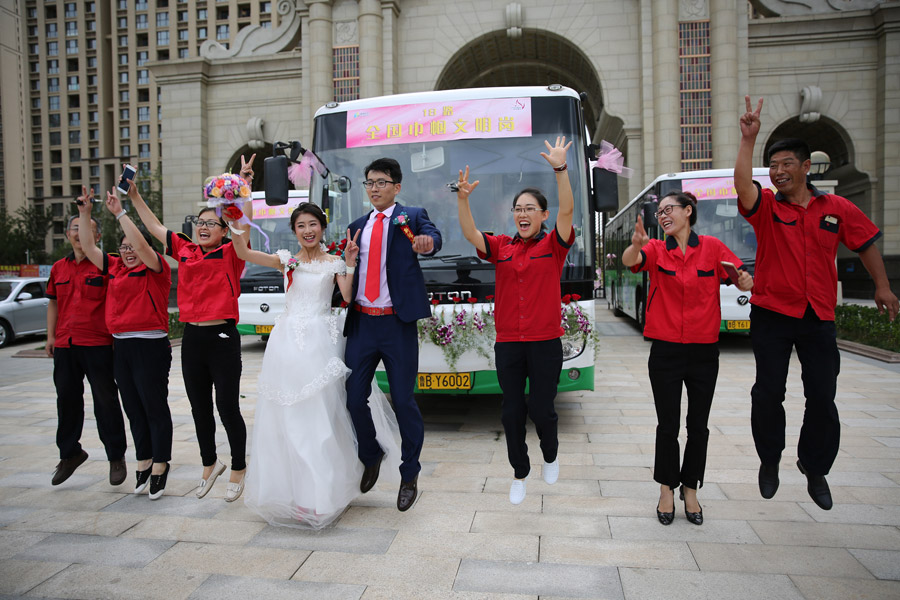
<point>731,270</point>
<point>127,175</point>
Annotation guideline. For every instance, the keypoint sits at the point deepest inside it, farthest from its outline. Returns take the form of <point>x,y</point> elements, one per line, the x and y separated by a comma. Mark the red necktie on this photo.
<point>373,268</point>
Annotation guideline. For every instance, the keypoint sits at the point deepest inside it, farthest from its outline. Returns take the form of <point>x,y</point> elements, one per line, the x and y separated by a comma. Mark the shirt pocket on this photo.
<point>829,232</point>
<point>94,287</point>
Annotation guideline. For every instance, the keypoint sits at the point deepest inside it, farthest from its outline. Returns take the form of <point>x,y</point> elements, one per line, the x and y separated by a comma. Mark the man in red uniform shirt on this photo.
<point>80,344</point>
<point>795,292</point>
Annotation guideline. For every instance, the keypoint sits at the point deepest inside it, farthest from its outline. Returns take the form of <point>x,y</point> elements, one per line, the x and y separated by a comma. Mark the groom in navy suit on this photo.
<point>388,298</point>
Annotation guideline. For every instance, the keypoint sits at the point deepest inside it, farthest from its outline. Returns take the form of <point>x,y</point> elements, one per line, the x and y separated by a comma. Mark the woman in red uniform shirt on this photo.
<point>683,319</point>
<point>208,288</point>
<point>137,317</point>
<point>528,313</point>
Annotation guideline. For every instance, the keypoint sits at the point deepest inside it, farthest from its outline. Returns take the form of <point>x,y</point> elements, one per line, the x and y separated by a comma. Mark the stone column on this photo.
<point>727,102</point>
<point>390,13</point>
<point>886,192</point>
<point>371,71</point>
<point>667,142</point>
<point>321,61</point>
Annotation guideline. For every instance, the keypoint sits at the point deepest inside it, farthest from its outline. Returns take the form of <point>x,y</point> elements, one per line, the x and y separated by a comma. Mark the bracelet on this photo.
<point>351,270</point>
<point>561,168</point>
<point>120,215</point>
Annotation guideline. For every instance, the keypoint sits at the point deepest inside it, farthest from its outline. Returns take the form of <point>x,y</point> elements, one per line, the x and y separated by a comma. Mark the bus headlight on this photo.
<point>572,346</point>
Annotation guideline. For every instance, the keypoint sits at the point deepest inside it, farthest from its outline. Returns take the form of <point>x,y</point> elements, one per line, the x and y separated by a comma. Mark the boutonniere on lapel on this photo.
<point>402,221</point>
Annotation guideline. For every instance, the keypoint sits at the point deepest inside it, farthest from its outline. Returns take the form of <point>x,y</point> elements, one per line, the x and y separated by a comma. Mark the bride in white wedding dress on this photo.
<point>304,469</point>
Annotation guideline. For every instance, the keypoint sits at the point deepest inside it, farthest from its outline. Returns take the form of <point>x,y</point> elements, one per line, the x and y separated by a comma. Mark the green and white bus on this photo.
<point>717,216</point>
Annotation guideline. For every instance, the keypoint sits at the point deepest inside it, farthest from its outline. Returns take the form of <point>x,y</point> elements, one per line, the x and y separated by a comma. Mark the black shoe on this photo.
<point>143,478</point>
<point>666,518</point>
<point>694,517</point>
<point>817,488</point>
<point>67,466</point>
<point>370,475</point>
<point>118,472</point>
<point>158,484</point>
<point>407,494</point>
<point>768,480</point>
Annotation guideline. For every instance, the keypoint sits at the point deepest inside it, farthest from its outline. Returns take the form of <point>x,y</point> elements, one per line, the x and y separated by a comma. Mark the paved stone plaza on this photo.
<point>592,535</point>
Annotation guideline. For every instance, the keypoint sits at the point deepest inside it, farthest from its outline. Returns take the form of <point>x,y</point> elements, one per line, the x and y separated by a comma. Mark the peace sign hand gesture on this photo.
<point>640,238</point>
<point>750,120</point>
<point>351,250</point>
<point>247,167</point>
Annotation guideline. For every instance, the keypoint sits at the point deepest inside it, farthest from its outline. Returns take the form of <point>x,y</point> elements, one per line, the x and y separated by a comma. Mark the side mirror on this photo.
<point>605,190</point>
<point>344,184</point>
<point>649,213</point>
<point>276,174</point>
<point>24,296</point>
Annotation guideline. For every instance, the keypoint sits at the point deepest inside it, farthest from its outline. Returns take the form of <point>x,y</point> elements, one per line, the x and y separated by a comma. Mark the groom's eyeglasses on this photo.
<point>380,184</point>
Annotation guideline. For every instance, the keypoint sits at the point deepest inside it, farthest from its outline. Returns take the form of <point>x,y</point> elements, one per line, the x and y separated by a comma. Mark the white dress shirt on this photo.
<point>384,296</point>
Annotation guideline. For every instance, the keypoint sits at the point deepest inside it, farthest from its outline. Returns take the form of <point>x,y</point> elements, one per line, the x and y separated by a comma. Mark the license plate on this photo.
<point>737,325</point>
<point>263,329</point>
<point>445,381</point>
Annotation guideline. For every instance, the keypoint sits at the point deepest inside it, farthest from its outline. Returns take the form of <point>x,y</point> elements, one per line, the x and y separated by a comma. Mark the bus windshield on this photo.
<point>503,166</point>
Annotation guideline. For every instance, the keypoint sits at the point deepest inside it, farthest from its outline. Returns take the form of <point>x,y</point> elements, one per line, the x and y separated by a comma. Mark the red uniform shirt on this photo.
<point>527,306</point>
<point>797,247</point>
<point>138,298</point>
<point>683,303</point>
<point>208,283</point>
<point>80,293</point>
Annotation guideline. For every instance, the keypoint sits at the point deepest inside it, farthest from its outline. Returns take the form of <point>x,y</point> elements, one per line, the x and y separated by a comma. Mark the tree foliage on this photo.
<point>23,235</point>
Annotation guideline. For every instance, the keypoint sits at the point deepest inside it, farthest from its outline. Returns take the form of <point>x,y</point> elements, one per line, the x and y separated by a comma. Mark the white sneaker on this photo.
<point>550,471</point>
<point>517,491</point>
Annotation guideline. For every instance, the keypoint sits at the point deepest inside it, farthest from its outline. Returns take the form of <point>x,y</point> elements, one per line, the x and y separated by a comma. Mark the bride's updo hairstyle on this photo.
<point>310,209</point>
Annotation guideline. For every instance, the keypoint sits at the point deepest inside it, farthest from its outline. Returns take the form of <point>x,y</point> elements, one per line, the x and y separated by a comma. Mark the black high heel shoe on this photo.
<point>694,517</point>
<point>666,518</point>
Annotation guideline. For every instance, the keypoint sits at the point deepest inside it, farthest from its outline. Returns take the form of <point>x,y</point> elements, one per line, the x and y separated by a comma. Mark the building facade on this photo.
<point>664,81</point>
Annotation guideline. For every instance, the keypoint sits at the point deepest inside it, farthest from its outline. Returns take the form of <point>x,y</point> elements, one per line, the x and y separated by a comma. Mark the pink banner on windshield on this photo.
<point>439,121</point>
<point>717,188</point>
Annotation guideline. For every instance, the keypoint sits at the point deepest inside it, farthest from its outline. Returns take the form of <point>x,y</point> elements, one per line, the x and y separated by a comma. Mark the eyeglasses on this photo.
<point>380,184</point>
<point>208,224</point>
<point>525,210</point>
<point>126,248</point>
<point>667,210</point>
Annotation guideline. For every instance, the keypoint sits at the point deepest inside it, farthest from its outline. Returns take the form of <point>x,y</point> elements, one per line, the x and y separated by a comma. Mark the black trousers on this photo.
<point>696,368</point>
<point>211,358</point>
<point>774,335</point>
<point>70,366</point>
<point>540,364</point>
<point>142,374</point>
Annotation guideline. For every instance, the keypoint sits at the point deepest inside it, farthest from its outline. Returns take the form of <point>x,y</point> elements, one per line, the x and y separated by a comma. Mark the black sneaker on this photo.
<point>143,478</point>
<point>158,484</point>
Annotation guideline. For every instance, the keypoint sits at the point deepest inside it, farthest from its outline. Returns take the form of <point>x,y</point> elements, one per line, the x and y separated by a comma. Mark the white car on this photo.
<point>23,307</point>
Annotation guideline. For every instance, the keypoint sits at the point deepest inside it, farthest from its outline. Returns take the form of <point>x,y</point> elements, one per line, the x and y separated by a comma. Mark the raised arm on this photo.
<point>86,234</point>
<point>144,251</point>
<point>351,253</point>
<point>556,156</point>
<point>244,252</point>
<point>743,167</point>
<point>884,297</point>
<point>632,255</point>
<point>150,221</point>
<point>466,221</point>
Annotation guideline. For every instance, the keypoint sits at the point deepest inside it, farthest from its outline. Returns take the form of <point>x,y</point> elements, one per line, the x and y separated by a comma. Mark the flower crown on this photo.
<point>226,186</point>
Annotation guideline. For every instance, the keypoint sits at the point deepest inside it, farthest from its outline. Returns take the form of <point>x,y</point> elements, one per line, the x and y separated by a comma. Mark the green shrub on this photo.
<point>176,327</point>
<point>865,325</point>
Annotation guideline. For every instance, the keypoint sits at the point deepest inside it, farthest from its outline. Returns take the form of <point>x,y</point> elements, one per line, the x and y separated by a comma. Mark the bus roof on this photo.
<point>447,95</point>
<point>701,174</point>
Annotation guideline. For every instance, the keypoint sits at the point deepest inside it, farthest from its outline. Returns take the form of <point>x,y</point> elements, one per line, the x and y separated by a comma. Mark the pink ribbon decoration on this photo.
<point>301,173</point>
<point>611,159</point>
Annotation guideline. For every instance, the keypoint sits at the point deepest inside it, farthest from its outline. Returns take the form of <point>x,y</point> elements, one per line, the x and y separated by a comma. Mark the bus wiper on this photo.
<point>438,257</point>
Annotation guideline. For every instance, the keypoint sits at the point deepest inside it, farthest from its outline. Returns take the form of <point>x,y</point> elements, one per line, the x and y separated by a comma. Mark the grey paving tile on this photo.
<point>571,581</point>
<point>186,529</point>
<point>78,582</point>
<point>540,524</point>
<point>835,535</point>
<point>18,576</point>
<point>13,542</point>
<point>13,514</point>
<point>425,573</point>
<point>224,587</point>
<point>867,514</point>
<point>175,506</point>
<point>726,532</point>
<point>78,481</point>
<point>753,510</point>
<point>884,564</point>
<point>332,539</point>
<point>72,521</point>
<point>390,518</point>
<point>223,559</point>
<point>96,550</point>
<point>452,544</point>
<point>659,584</point>
<point>66,499</point>
<point>617,553</point>
<point>832,588</point>
<point>786,560</point>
